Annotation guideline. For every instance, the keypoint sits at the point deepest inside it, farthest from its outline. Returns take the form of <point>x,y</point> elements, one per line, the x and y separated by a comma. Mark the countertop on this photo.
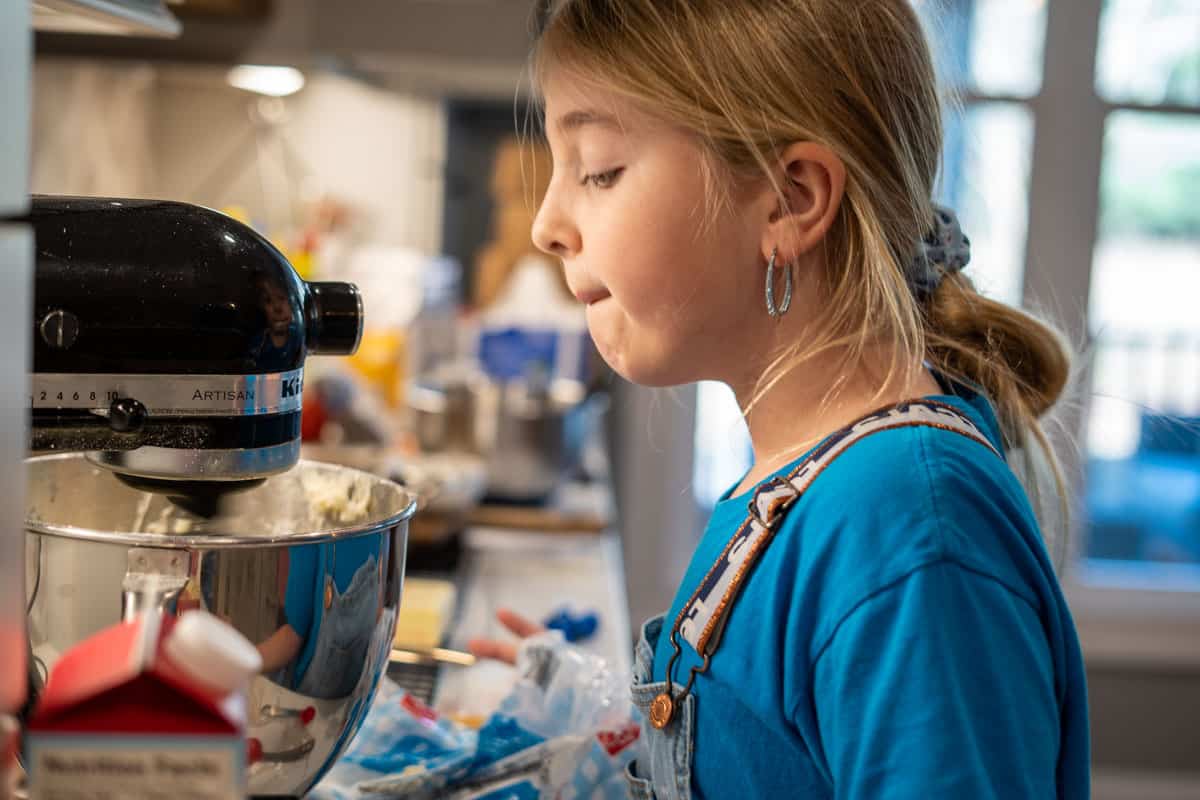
<point>534,574</point>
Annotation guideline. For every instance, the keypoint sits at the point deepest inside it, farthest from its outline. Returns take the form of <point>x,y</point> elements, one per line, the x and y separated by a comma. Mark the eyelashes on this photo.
<point>603,180</point>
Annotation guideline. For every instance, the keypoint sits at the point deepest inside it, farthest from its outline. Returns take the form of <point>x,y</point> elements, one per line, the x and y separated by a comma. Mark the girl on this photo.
<point>741,192</point>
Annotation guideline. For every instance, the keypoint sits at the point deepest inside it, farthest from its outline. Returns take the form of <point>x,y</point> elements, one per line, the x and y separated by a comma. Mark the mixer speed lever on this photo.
<point>126,415</point>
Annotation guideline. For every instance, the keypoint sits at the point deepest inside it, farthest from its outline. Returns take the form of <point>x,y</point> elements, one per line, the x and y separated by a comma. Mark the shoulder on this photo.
<point>920,478</point>
<point>898,500</point>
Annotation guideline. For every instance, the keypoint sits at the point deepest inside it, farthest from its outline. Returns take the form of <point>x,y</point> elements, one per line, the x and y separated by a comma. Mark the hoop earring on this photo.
<point>772,310</point>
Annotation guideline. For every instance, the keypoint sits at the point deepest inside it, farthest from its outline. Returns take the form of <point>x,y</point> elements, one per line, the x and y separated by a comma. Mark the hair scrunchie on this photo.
<point>943,251</point>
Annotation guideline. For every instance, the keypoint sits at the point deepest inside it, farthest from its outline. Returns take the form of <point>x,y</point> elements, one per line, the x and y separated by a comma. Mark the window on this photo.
<point>722,446</point>
<point>1143,428</point>
<point>1140,470</point>
<point>989,47</point>
<point>1149,52</point>
<point>989,59</point>
<point>986,180</point>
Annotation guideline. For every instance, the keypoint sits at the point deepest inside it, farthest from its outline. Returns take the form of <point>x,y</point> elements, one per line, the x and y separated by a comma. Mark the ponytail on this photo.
<point>1023,366</point>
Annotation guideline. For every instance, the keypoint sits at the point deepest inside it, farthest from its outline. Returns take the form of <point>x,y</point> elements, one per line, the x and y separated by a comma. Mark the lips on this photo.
<point>589,296</point>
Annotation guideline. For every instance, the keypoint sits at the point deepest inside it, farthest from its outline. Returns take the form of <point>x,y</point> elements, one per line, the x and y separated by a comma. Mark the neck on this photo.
<point>799,410</point>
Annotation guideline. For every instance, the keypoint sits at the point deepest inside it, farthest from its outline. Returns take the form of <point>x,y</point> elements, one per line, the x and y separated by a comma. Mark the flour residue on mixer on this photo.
<point>169,521</point>
<point>337,496</point>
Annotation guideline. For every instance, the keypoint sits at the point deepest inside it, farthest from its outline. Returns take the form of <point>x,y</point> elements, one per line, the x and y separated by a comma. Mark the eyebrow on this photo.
<point>574,120</point>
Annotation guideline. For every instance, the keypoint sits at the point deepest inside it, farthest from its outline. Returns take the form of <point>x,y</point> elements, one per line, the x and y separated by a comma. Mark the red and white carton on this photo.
<point>151,708</point>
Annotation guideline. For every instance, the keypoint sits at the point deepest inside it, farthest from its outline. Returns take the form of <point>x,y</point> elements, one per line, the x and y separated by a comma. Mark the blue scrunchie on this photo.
<point>943,251</point>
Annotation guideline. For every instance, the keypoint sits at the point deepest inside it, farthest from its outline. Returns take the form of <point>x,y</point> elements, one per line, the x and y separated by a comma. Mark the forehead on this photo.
<point>580,111</point>
<point>573,104</point>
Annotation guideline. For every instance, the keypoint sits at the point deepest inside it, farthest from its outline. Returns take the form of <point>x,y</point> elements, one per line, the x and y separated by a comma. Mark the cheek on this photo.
<point>670,332</point>
<point>677,287</point>
<point>656,265</point>
<point>681,286</point>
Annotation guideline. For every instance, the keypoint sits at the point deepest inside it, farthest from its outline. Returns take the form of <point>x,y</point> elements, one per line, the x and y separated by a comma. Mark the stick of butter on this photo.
<point>426,607</point>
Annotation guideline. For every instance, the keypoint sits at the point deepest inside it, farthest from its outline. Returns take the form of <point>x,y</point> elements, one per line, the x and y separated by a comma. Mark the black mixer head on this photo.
<point>202,498</point>
<point>170,343</point>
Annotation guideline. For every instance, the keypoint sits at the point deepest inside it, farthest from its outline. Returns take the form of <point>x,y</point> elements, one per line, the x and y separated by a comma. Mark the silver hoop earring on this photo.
<point>777,312</point>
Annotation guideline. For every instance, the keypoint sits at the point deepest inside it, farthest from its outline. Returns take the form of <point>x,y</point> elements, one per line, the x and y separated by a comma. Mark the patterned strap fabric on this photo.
<point>702,620</point>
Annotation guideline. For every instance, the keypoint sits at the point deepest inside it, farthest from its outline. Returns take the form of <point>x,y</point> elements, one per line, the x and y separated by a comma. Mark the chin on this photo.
<point>643,354</point>
<point>647,370</point>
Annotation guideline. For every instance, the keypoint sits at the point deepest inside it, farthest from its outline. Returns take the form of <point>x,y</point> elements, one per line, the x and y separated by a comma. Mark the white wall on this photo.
<point>382,152</point>
<point>92,129</point>
<point>106,128</point>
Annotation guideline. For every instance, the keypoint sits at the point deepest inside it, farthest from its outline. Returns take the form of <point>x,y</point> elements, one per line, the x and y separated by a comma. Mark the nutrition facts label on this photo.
<point>84,768</point>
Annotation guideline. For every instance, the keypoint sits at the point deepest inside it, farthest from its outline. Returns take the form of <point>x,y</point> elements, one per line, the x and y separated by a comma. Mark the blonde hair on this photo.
<point>748,78</point>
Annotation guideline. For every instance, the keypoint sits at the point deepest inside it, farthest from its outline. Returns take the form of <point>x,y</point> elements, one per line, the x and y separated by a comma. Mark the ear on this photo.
<point>813,179</point>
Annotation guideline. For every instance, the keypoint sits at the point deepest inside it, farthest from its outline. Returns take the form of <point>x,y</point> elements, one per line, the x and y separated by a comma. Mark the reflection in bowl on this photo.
<point>314,582</point>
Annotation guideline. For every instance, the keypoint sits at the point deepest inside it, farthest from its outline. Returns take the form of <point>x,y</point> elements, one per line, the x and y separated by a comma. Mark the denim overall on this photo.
<point>665,769</point>
<point>669,749</point>
<point>343,633</point>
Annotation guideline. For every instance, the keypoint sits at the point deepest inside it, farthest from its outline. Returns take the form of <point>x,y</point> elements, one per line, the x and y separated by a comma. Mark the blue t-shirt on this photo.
<point>307,567</point>
<point>903,636</point>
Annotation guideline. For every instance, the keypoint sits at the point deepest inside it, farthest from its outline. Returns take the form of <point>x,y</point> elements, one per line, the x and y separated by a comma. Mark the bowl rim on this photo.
<point>199,541</point>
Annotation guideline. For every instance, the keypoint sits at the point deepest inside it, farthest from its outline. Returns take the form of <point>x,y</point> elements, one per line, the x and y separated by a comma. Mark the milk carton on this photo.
<point>151,708</point>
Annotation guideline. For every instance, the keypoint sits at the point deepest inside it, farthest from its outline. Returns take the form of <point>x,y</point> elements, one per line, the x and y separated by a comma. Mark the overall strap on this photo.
<point>702,619</point>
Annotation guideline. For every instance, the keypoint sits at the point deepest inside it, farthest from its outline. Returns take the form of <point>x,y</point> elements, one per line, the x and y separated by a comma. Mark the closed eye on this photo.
<point>603,180</point>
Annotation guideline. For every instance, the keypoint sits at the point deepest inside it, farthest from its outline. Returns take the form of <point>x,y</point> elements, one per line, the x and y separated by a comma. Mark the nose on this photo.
<point>553,232</point>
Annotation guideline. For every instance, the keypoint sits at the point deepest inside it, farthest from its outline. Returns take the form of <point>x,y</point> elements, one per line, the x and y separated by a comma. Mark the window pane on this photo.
<point>722,443</point>
<point>1007,40</point>
<point>1150,52</point>
<point>1143,447</point>
<point>986,179</point>
<point>987,46</point>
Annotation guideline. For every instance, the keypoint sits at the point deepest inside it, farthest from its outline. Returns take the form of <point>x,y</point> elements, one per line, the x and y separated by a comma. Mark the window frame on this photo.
<point>1116,624</point>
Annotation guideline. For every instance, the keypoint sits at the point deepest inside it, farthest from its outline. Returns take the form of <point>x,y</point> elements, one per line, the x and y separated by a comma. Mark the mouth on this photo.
<point>590,296</point>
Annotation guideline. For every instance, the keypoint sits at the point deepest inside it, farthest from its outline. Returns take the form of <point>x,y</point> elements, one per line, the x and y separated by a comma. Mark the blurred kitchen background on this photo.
<point>381,146</point>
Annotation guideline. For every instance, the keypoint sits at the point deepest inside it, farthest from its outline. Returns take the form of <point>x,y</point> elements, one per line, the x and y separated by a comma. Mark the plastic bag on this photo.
<point>400,735</point>
<point>567,730</point>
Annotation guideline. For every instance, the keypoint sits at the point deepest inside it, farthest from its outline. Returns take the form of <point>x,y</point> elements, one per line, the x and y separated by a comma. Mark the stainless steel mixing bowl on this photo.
<point>308,565</point>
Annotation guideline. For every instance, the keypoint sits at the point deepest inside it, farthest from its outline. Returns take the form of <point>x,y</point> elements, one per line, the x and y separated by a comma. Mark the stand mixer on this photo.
<point>168,371</point>
<point>170,343</point>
